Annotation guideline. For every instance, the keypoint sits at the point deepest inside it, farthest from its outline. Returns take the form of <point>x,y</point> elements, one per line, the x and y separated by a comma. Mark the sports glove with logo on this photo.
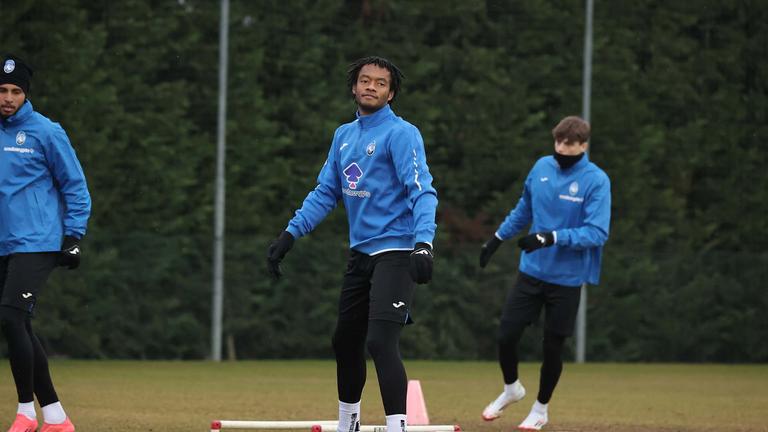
<point>488,249</point>
<point>534,241</point>
<point>276,252</point>
<point>421,263</point>
<point>70,253</point>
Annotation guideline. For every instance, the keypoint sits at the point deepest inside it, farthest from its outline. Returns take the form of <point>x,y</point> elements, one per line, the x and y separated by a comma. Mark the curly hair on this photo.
<point>397,76</point>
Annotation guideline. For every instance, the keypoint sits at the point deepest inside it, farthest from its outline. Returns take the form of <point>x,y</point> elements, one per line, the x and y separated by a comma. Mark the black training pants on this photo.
<point>523,306</point>
<point>22,276</point>
<point>374,304</point>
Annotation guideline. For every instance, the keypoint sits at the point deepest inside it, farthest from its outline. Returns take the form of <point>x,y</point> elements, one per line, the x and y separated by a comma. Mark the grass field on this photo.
<point>130,396</point>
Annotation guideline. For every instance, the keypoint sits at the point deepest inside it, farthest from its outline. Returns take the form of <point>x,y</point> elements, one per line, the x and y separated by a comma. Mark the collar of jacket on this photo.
<point>375,119</point>
<point>22,114</point>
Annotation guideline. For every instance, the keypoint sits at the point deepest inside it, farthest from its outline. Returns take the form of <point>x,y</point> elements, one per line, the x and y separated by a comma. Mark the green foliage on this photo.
<point>679,111</point>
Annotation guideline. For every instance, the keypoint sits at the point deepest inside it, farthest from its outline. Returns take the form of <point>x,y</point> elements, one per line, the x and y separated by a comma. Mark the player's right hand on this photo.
<point>276,252</point>
<point>488,249</point>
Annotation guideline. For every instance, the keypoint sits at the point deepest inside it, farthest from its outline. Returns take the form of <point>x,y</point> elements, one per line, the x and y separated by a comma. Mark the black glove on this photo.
<point>70,253</point>
<point>488,249</point>
<point>534,241</point>
<point>421,263</point>
<point>276,252</point>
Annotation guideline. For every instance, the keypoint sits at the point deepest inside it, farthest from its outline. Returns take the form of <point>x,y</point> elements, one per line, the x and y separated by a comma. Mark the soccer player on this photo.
<point>567,201</point>
<point>376,165</point>
<point>44,208</point>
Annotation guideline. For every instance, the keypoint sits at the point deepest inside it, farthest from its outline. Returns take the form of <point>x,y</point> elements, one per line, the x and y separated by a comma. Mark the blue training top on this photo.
<point>377,166</point>
<point>575,203</point>
<point>43,193</point>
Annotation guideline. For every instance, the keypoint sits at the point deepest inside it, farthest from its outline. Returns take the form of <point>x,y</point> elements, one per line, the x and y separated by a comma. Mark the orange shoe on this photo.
<point>67,426</point>
<point>23,424</point>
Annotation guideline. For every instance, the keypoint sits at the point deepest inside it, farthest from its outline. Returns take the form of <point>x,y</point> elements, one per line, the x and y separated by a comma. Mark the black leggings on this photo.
<point>382,339</point>
<point>551,367</point>
<point>29,364</point>
<point>22,277</point>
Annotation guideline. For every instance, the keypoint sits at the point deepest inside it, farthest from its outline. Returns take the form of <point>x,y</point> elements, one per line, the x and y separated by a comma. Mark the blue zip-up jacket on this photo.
<point>575,203</point>
<point>43,194</point>
<point>377,166</point>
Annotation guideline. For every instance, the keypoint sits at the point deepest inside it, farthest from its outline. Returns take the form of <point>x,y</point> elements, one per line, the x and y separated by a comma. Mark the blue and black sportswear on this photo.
<point>43,193</point>
<point>377,166</point>
<point>575,204</point>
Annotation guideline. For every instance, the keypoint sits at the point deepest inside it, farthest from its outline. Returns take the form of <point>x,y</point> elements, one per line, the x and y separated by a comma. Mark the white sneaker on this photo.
<point>535,421</point>
<point>494,409</point>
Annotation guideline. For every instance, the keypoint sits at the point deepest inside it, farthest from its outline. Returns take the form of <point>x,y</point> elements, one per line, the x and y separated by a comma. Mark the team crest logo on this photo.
<point>9,66</point>
<point>574,188</point>
<point>21,137</point>
<point>370,149</point>
<point>353,174</point>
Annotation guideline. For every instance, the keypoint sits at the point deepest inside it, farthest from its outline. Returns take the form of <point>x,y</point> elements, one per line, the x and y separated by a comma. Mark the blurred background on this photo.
<point>679,113</point>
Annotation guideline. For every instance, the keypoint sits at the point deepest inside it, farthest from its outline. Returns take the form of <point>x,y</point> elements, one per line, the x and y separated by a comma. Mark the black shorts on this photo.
<point>22,276</point>
<point>377,287</point>
<point>525,300</point>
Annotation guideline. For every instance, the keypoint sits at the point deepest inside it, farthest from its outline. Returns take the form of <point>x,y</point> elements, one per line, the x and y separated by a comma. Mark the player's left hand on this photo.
<point>421,263</point>
<point>534,241</point>
<point>70,253</point>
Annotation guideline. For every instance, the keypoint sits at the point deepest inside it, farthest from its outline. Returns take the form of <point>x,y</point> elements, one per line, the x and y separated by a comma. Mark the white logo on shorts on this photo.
<point>398,305</point>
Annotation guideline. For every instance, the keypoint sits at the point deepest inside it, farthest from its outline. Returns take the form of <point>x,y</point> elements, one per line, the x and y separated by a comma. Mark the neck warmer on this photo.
<point>566,161</point>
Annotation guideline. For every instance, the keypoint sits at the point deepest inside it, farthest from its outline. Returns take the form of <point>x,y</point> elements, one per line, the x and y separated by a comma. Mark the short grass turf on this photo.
<point>168,396</point>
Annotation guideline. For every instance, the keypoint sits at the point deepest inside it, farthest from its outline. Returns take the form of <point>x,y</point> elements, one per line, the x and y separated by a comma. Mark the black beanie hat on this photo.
<point>16,72</point>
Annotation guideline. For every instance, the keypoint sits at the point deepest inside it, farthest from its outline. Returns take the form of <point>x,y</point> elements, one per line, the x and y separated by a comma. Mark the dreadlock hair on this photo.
<point>397,76</point>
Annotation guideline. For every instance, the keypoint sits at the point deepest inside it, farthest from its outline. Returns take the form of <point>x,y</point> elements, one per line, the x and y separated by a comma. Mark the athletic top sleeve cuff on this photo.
<point>294,232</point>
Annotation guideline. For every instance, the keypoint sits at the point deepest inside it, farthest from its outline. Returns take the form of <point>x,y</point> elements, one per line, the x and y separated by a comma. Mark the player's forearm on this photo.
<point>424,211</point>
<point>584,237</point>
<point>517,219</point>
<point>317,205</point>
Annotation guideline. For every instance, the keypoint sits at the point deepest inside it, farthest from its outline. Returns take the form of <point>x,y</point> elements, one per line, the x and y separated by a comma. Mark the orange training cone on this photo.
<point>415,407</point>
